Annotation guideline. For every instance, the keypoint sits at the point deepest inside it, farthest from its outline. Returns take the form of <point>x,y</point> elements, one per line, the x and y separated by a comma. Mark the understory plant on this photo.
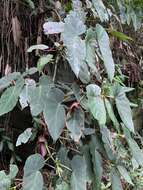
<point>84,127</point>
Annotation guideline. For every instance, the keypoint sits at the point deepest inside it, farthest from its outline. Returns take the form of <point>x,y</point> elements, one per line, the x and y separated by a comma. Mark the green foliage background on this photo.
<point>84,93</point>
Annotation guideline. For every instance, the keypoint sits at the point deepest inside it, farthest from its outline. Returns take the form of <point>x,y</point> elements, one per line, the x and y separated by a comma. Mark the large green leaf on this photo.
<point>54,113</point>
<point>116,183</point>
<point>33,179</point>
<point>10,96</point>
<point>96,103</point>
<point>76,50</point>
<point>75,123</point>
<point>104,45</point>
<point>101,10</point>
<point>78,178</point>
<point>123,106</point>
<point>76,53</point>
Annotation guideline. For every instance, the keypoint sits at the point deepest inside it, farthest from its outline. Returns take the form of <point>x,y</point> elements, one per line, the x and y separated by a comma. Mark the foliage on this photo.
<point>89,119</point>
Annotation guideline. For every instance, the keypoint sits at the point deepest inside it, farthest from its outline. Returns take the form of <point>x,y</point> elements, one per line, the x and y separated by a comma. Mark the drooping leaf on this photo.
<point>76,53</point>
<point>39,47</point>
<point>101,10</point>
<point>96,103</point>
<point>104,45</point>
<point>90,51</point>
<point>54,113</point>
<point>84,73</point>
<point>43,61</point>
<point>116,183</point>
<point>111,113</point>
<point>10,96</point>
<point>97,167</point>
<point>108,142</point>
<point>75,123</point>
<point>24,137</point>
<point>124,173</point>
<point>135,149</point>
<point>78,178</point>
<point>76,50</point>
<point>123,106</point>
<point>88,160</point>
<point>53,27</point>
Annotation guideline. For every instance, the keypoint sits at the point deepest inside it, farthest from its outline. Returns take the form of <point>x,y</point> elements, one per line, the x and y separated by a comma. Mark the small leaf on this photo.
<point>10,96</point>
<point>97,167</point>
<point>93,90</point>
<point>120,35</point>
<point>96,103</point>
<point>104,45</point>
<point>124,173</point>
<point>39,47</point>
<point>75,123</point>
<point>53,27</point>
<point>24,137</point>
<point>101,10</point>
<point>43,61</point>
<point>13,171</point>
